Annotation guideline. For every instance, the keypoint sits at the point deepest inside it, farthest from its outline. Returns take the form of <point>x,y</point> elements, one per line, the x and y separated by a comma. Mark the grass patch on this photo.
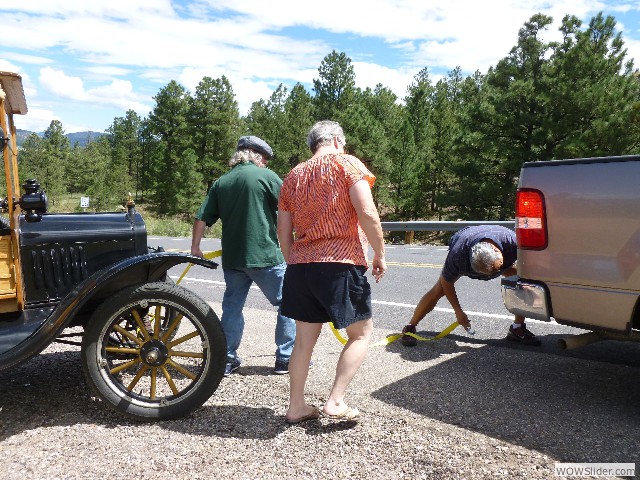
<point>69,203</point>
<point>167,227</point>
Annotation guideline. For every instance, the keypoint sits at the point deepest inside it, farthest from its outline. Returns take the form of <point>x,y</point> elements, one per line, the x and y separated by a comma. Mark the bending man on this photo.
<point>482,253</point>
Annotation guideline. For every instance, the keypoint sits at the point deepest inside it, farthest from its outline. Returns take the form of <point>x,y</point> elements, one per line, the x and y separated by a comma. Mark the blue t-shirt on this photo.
<point>458,262</point>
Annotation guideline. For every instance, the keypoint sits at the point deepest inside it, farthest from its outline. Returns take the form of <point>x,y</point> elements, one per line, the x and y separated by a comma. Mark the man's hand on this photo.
<point>463,320</point>
<point>195,250</point>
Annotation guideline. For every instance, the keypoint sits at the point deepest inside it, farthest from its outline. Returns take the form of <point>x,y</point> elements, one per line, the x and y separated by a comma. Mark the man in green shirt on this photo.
<point>246,200</point>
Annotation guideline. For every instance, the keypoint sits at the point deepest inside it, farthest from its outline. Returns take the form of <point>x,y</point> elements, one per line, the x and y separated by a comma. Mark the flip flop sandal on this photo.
<point>348,414</point>
<point>312,416</point>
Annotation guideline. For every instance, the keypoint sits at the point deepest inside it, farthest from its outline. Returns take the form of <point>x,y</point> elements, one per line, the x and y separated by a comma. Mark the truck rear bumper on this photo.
<point>525,298</point>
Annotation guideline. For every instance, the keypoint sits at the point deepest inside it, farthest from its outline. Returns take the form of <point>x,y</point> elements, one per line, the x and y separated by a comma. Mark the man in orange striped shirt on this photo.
<point>326,215</point>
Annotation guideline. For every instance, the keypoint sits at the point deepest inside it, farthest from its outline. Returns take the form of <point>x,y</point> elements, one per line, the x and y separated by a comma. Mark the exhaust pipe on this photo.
<point>577,341</point>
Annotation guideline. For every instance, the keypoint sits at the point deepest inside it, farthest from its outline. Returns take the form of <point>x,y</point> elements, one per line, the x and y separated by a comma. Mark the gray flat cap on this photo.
<point>256,144</point>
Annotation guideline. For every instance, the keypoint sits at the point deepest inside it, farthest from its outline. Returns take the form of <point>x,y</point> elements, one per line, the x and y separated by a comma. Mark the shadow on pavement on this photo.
<point>564,407</point>
<point>50,391</point>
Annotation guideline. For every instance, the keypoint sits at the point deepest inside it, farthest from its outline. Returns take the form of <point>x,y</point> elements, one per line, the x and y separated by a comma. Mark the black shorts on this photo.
<point>326,292</point>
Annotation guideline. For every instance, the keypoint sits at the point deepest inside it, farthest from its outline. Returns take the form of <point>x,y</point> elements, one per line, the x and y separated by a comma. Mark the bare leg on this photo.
<point>519,319</point>
<point>353,354</point>
<point>306,337</point>
<point>427,303</point>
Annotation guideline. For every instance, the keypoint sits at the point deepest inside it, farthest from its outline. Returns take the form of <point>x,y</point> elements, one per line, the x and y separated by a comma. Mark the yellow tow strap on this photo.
<point>395,336</point>
<point>385,341</point>
<point>208,256</point>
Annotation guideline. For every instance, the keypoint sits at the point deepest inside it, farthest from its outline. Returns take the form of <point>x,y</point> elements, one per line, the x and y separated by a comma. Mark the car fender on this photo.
<point>48,324</point>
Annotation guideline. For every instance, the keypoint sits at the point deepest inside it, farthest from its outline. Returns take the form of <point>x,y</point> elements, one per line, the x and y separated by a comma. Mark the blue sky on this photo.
<point>86,62</point>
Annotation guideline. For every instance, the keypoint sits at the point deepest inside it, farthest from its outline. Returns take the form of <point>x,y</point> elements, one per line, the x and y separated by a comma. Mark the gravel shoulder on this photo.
<point>444,409</point>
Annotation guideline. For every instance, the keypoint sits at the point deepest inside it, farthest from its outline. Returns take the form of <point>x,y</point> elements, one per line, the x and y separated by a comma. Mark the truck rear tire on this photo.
<point>160,369</point>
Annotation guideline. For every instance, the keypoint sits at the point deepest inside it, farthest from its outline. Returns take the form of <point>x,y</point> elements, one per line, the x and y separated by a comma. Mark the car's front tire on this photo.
<point>156,373</point>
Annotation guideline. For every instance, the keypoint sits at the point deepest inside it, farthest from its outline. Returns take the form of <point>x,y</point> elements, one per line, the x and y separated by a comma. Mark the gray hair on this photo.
<point>246,156</point>
<point>323,133</point>
<point>484,257</point>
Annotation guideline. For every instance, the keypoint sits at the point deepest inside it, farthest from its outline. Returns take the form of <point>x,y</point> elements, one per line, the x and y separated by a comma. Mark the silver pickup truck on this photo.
<point>578,232</point>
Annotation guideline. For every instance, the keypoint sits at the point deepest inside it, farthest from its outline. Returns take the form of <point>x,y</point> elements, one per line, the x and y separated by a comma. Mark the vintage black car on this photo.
<point>151,349</point>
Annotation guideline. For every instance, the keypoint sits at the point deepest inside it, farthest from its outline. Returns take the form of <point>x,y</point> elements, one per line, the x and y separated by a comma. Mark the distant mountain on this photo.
<point>81,138</point>
<point>21,135</point>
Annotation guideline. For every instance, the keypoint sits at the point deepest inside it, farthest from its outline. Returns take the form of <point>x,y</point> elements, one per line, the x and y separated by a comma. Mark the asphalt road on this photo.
<point>412,271</point>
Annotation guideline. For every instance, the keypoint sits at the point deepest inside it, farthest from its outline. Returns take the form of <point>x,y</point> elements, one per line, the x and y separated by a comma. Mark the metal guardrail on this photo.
<point>441,226</point>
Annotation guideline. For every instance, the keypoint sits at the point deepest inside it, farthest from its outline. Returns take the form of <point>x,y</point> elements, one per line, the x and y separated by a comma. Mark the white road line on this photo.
<point>447,310</point>
<point>392,304</point>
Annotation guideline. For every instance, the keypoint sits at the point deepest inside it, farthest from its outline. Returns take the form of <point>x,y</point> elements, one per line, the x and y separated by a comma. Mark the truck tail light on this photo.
<point>531,221</point>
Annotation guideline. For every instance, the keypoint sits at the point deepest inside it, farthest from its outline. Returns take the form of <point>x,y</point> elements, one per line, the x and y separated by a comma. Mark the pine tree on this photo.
<point>335,88</point>
<point>299,115</point>
<point>268,121</point>
<point>214,121</point>
<point>126,151</point>
<point>106,188</point>
<point>370,132</point>
<point>443,130</point>
<point>508,124</point>
<point>418,167</point>
<point>45,160</point>
<point>596,94</point>
<point>172,156</point>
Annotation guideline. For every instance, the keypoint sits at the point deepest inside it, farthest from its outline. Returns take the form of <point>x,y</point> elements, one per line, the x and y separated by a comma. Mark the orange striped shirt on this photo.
<point>316,194</point>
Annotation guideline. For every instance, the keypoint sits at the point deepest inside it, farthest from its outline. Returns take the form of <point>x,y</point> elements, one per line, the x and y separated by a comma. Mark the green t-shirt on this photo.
<point>246,200</point>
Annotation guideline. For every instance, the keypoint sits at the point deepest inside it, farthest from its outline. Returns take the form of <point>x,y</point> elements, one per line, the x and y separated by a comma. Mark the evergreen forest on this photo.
<point>450,149</point>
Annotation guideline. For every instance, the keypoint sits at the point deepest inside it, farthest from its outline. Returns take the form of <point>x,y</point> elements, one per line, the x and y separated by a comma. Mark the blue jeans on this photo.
<point>269,280</point>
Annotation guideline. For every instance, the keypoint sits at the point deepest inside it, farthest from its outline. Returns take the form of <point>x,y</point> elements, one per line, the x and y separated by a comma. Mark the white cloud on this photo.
<point>245,89</point>
<point>402,20</point>
<point>36,119</point>
<point>118,53</point>
<point>371,74</point>
<point>111,8</point>
<point>64,87</point>
<point>29,59</point>
<point>7,66</point>
<point>119,93</point>
<point>633,50</point>
<point>102,71</point>
<point>248,91</point>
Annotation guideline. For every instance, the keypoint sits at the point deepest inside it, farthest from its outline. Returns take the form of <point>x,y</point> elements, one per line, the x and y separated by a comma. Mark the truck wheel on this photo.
<point>160,374</point>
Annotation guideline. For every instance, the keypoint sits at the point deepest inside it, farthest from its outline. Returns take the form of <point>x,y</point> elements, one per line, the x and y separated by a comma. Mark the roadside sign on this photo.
<point>84,202</point>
